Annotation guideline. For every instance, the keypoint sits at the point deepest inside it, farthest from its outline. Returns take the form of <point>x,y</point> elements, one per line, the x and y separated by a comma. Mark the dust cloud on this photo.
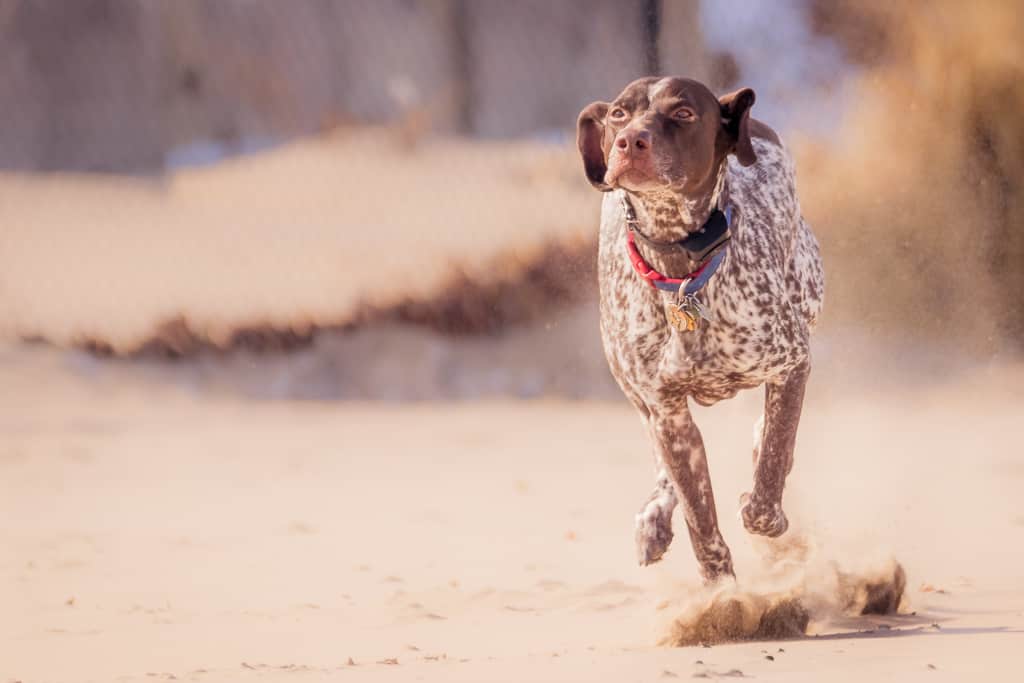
<point>800,588</point>
<point>916,195</point>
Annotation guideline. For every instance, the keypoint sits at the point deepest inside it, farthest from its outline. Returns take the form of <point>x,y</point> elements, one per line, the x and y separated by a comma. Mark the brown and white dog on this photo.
<point>673,160</point>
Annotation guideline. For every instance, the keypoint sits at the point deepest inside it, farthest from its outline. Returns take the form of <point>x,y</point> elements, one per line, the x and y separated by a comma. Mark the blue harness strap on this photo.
<point>696,281</point>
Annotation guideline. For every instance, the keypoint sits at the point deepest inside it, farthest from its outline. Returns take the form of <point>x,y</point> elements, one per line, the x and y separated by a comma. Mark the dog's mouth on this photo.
<point>632,176</point>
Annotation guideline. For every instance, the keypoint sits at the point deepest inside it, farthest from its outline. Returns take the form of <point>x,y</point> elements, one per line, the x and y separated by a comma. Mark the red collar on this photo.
<point>691,283</point>
<point>653,277</point>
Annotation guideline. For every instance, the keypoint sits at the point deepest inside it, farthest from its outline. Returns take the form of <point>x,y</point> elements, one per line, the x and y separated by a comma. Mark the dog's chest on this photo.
<point>757,333</point>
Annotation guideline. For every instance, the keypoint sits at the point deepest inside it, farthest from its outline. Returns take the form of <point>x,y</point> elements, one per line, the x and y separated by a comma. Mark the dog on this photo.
<point>710,282</point>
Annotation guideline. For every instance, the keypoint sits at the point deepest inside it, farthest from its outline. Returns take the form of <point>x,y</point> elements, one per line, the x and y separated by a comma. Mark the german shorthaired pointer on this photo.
<point>710,282</point>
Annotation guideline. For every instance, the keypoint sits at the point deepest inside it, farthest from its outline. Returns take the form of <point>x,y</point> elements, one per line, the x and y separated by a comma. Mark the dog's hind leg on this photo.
<point>654,521</point>
<point>761,510</point>
<point>758,438</point>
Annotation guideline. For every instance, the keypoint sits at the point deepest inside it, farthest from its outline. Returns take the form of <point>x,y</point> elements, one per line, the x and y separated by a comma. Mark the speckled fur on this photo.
<point>766,299</point>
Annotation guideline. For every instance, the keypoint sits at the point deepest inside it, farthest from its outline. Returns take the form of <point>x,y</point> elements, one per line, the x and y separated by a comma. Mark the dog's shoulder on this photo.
<point>765,191</point>
<point>760,129</point>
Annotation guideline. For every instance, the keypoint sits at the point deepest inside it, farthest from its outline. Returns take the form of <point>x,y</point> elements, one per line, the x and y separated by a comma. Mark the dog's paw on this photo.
<point>653,534</point>
<point>763,520</point>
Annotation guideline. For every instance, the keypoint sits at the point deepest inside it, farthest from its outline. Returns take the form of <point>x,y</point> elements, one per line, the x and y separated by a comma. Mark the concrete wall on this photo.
<point>79,86</point>
<point>536,63</point>
<point>113,85</point>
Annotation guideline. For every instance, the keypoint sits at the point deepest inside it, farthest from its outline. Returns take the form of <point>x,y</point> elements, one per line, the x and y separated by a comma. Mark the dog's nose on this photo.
<point>634,141</point>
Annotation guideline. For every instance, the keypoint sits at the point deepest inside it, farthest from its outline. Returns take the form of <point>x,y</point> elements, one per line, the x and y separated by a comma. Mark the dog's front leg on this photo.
<point>773,453</point>
<point>681,448</point>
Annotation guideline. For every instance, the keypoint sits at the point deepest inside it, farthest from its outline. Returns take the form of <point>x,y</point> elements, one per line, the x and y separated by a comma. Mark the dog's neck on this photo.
<point>666,215</point>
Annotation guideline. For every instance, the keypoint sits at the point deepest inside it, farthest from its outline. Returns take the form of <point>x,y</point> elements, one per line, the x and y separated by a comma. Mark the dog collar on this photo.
<point>707,246</point>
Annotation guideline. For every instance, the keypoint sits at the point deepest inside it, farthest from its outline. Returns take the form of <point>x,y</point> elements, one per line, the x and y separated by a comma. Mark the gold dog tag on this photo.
<point>681,318</point>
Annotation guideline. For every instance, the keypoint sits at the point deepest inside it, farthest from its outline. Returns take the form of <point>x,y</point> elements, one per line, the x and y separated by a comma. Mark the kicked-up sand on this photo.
<point>153,532</point>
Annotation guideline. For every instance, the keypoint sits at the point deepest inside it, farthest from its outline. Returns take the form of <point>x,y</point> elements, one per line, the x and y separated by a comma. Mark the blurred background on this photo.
<point>345,199</point>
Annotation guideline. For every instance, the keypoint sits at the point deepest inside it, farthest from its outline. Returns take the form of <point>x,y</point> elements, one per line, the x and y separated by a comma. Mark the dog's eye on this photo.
<point>618,113</point>
<point>684,114</point>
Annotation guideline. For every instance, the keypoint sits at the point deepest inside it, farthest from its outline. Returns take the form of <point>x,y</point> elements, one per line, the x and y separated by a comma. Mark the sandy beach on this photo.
<point>150,532</point>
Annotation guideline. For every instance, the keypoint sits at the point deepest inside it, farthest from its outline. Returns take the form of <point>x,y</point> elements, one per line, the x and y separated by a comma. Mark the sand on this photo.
<point>153,532</point>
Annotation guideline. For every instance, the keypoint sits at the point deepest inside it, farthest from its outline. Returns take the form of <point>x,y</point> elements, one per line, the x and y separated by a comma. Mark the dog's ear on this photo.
<point>736,123</point>
<point>590,141</point>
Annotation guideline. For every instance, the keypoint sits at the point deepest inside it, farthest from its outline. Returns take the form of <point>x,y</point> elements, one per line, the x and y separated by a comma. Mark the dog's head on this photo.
<point>663,133</point>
